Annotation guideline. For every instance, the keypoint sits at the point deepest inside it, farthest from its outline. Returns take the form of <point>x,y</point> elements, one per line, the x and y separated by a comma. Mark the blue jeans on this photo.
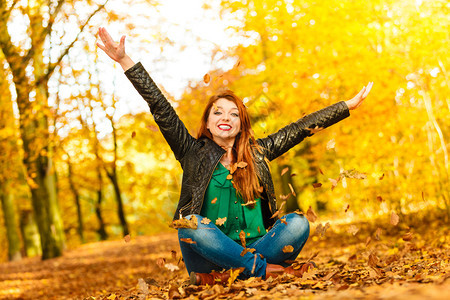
<point>213,250</point>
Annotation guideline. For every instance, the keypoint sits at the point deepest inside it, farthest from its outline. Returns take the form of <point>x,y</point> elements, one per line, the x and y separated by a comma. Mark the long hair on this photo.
<point>245,180</point>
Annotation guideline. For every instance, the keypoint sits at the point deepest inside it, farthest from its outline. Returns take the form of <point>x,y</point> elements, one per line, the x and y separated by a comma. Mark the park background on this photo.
<point>81,156</point>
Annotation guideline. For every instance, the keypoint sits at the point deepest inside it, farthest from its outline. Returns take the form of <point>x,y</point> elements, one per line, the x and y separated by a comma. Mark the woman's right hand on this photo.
<point>114,50</point>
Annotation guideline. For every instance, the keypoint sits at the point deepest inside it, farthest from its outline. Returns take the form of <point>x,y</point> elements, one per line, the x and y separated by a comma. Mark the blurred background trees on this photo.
<point>73,146</point>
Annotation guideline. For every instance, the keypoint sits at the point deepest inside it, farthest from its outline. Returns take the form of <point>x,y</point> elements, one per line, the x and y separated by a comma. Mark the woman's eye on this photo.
<point>235,115</point>
<point>217,112</point>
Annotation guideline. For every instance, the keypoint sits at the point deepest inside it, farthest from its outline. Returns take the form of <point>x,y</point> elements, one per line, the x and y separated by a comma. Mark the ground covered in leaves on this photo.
<point>383,259</point>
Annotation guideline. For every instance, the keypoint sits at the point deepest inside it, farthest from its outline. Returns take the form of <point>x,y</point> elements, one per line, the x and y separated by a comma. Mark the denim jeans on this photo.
<point>213,250</point>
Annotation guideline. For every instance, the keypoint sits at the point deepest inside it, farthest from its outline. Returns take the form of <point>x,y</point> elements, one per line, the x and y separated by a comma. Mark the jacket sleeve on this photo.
<point>172,128</point>
<point>281,141</point>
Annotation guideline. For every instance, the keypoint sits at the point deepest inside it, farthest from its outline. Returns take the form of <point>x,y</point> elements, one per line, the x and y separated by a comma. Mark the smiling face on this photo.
<point>224,122</point>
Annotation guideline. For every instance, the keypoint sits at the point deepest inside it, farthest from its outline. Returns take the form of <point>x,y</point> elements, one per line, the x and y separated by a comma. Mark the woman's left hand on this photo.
<point>356,101</point>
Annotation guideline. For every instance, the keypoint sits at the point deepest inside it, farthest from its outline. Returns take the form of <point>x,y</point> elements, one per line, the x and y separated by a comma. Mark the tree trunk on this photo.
<point>76,195</point>
<point>30,234</point>
<point>120,210</point>
<point>101,223</point>
<point>9,214</point>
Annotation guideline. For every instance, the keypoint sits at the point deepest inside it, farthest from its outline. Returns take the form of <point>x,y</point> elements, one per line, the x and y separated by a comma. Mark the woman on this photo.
<point>227,199</point>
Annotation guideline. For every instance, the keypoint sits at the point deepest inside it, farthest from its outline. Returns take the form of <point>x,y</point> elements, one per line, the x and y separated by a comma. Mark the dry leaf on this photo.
<point>160,262</point>
<point>259,230</point>
<point>331,143</point>
<point>373,260</point>
<point>378,234</point>
<point>174,254</point>
<point>311,215</point>
<point>152,127</point>
<point>283,221</point>
<point>127,238</point>
<point>205,221</point>
<point>368,240</point>
<point>171,267</point>
<point>292,189</point>
<point>249,203</point>
<point>334,182</point>
<point>188,240</point>
<point>394,218</point>
<point>315,129</point>
<point>246,250</point>
<point>185,223</point>
<point>241,164</point>
<point>288,249</point>
<point>275,214</point>
<point>213,200</point>
<point>206,78</point>
<point>320,229</point>
<point>379,199</point>
<point>313,256</point>
<point>221,221</point>
<point>381,178</point>
<point>242,238</point>
<point>407,236</point>
<point>229,176</point>
<point>317,185</point>
<point>284,171</point>
<point>353,229</point>
<point>346,209</point>
<point>133,134</point>
<point>321,172</point>
<point>353,174</point>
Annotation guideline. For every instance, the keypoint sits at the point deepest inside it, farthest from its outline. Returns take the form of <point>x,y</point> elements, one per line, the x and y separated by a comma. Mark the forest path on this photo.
<point>355,261</point>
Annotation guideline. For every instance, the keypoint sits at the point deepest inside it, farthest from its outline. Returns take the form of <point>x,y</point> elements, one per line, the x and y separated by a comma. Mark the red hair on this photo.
<point>245,180</point>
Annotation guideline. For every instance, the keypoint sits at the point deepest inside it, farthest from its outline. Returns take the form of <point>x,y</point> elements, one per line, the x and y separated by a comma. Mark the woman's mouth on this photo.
<point>224,127</point>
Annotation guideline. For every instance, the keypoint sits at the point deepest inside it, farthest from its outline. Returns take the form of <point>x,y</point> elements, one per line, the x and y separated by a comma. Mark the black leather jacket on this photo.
<point>199,157</point>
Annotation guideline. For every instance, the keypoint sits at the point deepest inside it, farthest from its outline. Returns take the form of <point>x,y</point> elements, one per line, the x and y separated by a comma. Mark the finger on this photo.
<point>122,41</point>
<point>367,91</point>
<point>101,47</point>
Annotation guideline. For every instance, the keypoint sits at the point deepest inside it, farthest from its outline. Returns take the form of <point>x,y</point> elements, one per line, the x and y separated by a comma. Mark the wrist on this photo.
<point>126,62</point>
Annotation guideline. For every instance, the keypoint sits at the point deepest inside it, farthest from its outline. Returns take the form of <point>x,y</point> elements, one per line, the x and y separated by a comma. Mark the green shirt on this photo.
<point>222,201</point>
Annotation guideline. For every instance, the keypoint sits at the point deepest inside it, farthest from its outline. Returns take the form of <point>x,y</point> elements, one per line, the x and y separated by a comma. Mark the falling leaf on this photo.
<point>293,174</point>
<point>221,221</point>
<point>381,178</point>
<point>288,249</point>
<point>174,254</point>
<point>330,145</point>
<point>249,203</point>
<point>285,197</point>
<point>407,236</point>
<point>379,199</point>
<point>171,267</point>
<point>237,64</point>
<point>133,134</point>
<point>188,240</point>
<point>247,250</point>
<point>353,229</point>
<point>214,200</point>
<point>368,240</point>
<point>334,183</point>
<point>185,223</point>
<point>152,127</point>
<point>283,221</point>
<point>321,172</point>
<point>127,238</point>
<point>259,230</point>
<point>311,215</point>
<point>241,164</point>
<point>353,174</point>
<point>229,176</point>
<point>284,171</point>
<point>292,189</point>
<point>317,185</point>
<point>346,209</point>
<point>321,229</point>
<point>206,78</point>
<point>242,238</point>
<point>330,275</point>
<point>313,256</point>
<point>394,218</point>
<point>378,234</point>
<point>373,260</point>
<point>205,221</point>
<point>315,129</point>
<point>160,262</point>
<point>423,196</point>
<point>215,106</point>
<point>112,297</point>
<point>275,214</point>
<point>260,189</point>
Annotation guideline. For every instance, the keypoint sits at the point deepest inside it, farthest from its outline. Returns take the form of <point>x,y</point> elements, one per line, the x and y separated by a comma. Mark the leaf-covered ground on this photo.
<point>357,261</point>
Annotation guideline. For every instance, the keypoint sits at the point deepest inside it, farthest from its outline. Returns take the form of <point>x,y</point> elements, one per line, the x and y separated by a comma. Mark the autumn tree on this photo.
<point>31,64</point>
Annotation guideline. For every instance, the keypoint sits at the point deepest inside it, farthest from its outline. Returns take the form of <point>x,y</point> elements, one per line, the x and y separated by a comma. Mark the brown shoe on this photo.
<point>209,278</point>
<point>277,270</point>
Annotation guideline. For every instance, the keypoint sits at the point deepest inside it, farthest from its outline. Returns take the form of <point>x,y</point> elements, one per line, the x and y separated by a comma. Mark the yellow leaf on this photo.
<point>221,221</point>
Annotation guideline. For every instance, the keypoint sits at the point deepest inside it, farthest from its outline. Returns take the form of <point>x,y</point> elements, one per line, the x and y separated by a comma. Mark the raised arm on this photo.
<point>284,139</point>
<point>172,128</point>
